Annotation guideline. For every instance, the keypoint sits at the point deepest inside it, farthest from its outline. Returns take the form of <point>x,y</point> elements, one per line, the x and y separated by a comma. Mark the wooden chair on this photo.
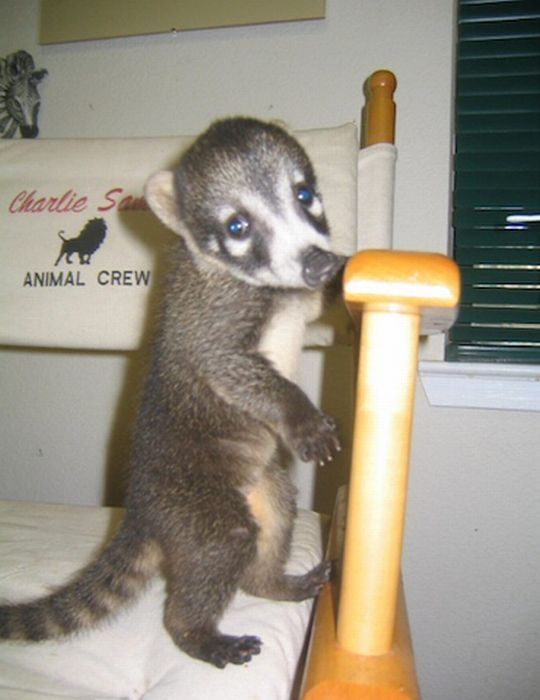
<point>360,645</point>
<point>360,642</point>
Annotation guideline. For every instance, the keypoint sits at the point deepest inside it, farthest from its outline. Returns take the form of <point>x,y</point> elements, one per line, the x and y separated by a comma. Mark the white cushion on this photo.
<point>132,657</point>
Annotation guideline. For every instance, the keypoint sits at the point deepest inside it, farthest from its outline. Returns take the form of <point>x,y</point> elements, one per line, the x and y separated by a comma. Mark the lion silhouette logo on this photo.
<point>85,244</point>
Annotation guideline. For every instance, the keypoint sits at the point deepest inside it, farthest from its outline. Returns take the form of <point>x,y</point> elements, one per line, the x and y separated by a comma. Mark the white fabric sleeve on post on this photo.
<point>376,178</point>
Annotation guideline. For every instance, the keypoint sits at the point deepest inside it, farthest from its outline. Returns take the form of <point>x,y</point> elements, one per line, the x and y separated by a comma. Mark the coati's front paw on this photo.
<point>315,438</point>
<point>224,649</point>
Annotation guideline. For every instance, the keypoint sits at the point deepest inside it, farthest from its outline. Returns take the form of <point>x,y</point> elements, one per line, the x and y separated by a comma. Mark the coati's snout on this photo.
<point>319,266</point>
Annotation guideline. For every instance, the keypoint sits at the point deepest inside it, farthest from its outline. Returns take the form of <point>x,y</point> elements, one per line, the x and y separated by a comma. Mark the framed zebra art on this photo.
<point>19,96</point>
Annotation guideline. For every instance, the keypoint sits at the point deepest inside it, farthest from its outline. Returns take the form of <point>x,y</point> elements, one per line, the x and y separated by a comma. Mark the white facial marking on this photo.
<point>213,246</point>
<point>316,208</point>
<point>292,235</point>
<point>225,213</point>
<point>238,248</point>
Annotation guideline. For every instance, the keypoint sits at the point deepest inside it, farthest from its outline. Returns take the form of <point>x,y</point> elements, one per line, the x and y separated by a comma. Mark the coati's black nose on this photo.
<point>319,266</point>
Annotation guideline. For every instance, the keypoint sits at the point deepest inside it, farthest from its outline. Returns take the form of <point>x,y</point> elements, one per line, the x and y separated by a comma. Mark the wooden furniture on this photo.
<point>360,645</point>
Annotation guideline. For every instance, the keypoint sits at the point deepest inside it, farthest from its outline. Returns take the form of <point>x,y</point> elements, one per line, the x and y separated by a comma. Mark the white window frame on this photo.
<point>481,385</point>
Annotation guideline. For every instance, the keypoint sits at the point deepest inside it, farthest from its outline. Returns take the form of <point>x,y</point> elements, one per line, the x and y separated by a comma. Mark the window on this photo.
<point>497,182</point>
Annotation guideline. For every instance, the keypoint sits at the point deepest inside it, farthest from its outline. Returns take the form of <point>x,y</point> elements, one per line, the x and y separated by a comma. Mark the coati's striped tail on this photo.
<point>96,592</point>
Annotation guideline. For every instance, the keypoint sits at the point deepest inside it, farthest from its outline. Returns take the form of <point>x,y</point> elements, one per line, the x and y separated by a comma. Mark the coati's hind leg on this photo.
<point>201,583</point>
<point>272,503</point>
<point>201,639</point>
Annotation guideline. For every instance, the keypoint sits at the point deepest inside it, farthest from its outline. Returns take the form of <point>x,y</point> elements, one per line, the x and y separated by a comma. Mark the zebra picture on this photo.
<point>19,96</point>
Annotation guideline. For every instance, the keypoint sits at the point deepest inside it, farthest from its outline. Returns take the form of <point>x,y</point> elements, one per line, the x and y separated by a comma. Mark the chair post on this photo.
<point>378,484</point>
<point>394,292</point>
<point>380,108</point>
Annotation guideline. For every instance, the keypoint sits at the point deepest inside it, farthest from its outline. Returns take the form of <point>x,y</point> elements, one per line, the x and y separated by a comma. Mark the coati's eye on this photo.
<point>238,226</point>
<point>304,195</point>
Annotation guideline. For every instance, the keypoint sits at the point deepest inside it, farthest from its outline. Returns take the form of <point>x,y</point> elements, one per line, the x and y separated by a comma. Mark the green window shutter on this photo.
<point>496,203</point>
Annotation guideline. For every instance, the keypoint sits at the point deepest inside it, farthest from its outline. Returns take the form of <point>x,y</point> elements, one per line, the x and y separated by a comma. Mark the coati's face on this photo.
<point>245,198</point>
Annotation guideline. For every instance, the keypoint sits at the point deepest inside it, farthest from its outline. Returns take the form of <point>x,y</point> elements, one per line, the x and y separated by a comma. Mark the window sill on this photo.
<point>472,385</point>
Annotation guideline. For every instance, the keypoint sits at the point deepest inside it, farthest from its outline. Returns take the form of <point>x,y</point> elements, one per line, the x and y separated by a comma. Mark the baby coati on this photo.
<point>209,504</point>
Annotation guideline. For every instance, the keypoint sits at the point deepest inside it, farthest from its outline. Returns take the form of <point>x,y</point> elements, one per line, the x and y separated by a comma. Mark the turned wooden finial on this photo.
<point>380,108</point>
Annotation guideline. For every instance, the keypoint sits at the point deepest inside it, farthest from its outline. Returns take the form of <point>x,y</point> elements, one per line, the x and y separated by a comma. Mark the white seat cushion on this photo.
<point>132,656</point>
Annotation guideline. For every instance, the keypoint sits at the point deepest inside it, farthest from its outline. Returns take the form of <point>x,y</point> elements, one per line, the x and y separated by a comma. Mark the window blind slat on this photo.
<point>493,199</point>
<point>522,336</point>
<point>470,123</point>
<point>497,316</point>
<point>487,180</point>
<point>521,142</point>
<point>508,65</point>
<point>499,104</point>
<point>496,48</point>
<point>512,29</point>
<point>493,278</point>
<point>498,256</point>
<point>501,162</point>
<point>491,218</point>
<point>465,3</point>
<point>480,297</point>
<point>496,352</point>
<point>502,238</point>
<point>504,85</point>
<point>490,11</point>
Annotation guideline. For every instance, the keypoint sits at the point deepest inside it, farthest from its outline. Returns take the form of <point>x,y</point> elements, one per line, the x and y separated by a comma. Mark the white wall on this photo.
<point>469,558</point>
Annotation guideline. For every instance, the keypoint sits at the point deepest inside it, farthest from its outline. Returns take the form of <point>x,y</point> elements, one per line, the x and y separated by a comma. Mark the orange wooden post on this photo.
<point>391,290</point>
<point>380,108</point>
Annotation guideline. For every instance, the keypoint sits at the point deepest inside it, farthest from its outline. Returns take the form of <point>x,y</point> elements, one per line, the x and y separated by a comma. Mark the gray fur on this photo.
<point>209,502</point>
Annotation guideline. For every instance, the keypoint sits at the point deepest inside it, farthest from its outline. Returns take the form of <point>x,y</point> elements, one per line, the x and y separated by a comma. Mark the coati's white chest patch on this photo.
<point>283,336</point>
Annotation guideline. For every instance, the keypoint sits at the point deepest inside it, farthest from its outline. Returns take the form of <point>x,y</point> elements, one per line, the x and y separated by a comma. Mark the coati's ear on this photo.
<point>160,196</point>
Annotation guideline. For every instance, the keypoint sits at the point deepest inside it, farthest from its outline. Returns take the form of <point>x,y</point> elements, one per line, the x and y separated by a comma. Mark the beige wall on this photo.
<point>469,559</point>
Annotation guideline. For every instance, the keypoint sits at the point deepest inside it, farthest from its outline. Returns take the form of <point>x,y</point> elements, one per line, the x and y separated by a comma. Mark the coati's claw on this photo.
<point>314,580</point>
<point>225,649</point>
<point>315,438</point>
